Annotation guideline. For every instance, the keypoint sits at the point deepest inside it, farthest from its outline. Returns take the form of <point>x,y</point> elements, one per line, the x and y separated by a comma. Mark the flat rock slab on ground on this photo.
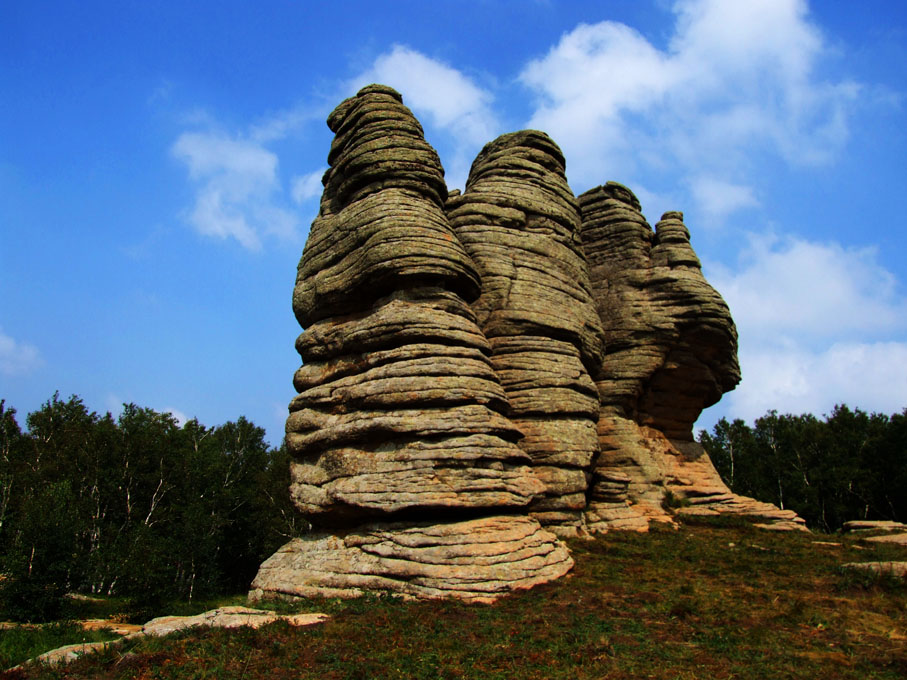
<point>891,568</point>
<point>898,539</point>
<point>224,617</point>
<point>228,617</point>
<point>114,627</point>
<point>874,525</point>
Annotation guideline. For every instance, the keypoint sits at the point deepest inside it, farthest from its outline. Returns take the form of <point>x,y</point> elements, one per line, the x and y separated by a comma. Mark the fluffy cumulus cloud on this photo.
<point>819,325</point>
<point>787,286</point>
<point>238,190</point>
<point>17,358</point>
<point>734,79</point>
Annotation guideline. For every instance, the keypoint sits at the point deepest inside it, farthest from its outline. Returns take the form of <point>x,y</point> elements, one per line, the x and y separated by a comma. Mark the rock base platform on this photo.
<point>476,560</point>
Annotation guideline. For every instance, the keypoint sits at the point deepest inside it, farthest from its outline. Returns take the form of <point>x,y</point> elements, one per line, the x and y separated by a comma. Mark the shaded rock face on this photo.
<point>400,416</point>
<point>519,221</point>
<point>671,351</point>
<point>671,342</point>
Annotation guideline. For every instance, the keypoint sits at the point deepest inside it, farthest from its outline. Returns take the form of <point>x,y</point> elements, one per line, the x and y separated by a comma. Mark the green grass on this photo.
<point>26,642</point>
<point>700,602</point>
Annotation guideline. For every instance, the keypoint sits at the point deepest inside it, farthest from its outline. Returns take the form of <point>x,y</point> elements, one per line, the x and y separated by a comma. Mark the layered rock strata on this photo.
<point>519,222</point>
<point>400,417</point>
<point>671,351</point>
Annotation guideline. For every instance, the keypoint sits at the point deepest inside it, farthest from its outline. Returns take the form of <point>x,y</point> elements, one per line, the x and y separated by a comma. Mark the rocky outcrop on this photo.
<point>400,416</point>
<point>519,222</point>
<point>223,617</point>
<point>477,366</point>
<point>671,351</point>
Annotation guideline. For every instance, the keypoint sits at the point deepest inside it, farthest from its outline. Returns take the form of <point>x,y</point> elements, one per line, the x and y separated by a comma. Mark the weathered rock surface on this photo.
<point>671,351</point>
<point>477,365</point>
<point>519,222</point>
<point>228,617</point>
<point>476,560</point>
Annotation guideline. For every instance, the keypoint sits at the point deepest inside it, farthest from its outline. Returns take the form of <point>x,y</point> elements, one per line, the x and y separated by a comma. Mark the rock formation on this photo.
<point>400,418</point>
<point>519,221</point>
<point>671,351</point>
<point>485,370</point>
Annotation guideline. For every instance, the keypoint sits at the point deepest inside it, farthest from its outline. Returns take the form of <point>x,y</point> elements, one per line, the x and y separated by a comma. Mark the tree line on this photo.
<point>135,506</point>
<point>849,465</point>
<point>143,508</point>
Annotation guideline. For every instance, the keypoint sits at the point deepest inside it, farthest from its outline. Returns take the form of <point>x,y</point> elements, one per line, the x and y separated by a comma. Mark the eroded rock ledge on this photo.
<point>484,372</point>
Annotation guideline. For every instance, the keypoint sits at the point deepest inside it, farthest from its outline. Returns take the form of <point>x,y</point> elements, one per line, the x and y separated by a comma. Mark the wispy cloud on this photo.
<point>719,198</point>
<point>238,191</point>
<point>451,100</point>
<point>307,186</point>
<point>17,358</point>
<point>792,286</point>
<point>793,379</point>
<point>735,79</point>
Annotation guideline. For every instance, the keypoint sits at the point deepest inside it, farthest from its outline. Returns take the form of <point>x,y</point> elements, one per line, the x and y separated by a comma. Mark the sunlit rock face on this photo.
<point>671,351</point>
<point>519,221</point>
<point>400,418</point>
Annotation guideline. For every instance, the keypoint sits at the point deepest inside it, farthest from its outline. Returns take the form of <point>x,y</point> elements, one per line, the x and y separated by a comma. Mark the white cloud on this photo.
<point>736,78</point>
<point>180,417</point>
<point>796,288</point>
<point>871,376</point>
<point>819,325</point>
<point>307,186</point>
<point>17,358</point>
<point>719,199</point>
<point>239,194</point>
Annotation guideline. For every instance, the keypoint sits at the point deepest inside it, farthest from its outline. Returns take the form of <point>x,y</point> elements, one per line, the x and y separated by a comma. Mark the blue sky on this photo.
<point>159,167</point>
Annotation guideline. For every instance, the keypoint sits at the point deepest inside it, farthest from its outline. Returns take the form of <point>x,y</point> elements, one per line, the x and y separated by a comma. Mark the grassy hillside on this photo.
<point>704,601</point>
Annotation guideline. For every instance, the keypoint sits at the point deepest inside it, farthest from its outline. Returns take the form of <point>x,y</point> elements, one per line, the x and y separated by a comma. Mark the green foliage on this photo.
<point>852,465</point>
<point>136,507</point>
<point>41,557</point>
